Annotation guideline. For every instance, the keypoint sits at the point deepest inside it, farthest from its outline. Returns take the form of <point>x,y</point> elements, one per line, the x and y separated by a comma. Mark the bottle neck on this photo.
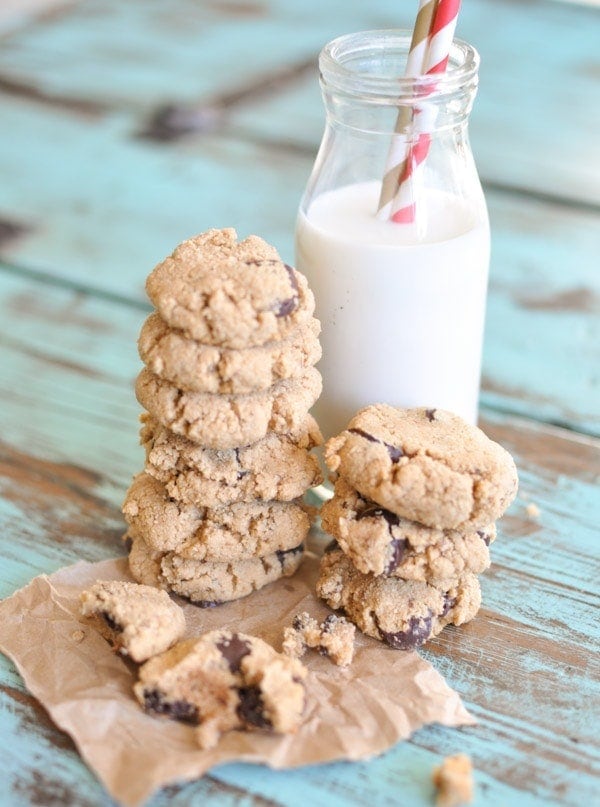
<point>365,87</point>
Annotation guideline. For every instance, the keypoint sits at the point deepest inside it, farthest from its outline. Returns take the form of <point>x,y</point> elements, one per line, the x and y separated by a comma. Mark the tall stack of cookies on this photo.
<point>228,382</point>
<point>416,498</point>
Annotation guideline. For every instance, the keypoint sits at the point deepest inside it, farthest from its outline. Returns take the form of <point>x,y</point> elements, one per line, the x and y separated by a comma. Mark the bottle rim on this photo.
<point>348,65</point>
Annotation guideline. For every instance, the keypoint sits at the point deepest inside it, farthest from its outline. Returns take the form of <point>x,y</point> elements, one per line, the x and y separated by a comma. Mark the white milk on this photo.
<point>402,321</point>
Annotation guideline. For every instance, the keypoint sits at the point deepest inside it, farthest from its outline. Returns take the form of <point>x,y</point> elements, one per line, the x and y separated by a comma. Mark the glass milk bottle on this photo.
<point>402,305</point>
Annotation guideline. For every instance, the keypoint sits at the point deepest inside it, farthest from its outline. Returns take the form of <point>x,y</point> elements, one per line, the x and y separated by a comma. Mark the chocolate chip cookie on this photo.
<point>229,421</point>
<point>138,621</point>
<point>405,614</point>
<point>195,367</point>
<point>277,467</point>
<point>378,541</point>
<point>210,583</point>
<point>426,465</point>
<point>233,294</point>
<point>217,534</point>
<point>223,681</point>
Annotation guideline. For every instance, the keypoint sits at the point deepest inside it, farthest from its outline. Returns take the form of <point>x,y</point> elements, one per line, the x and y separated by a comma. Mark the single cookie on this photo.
<point>208,583</point>
<point>378,541</point>
<point>426,465</point>
<point>453,780</point>
<point>195,367</point>
<point>219,534</point>
<point>333,638</point>
<point>228,421</point>
<point>236,295</point>
<point>405,614</point>
<point>278,467</point>
<point>138,621</point>
<point>223,681</point>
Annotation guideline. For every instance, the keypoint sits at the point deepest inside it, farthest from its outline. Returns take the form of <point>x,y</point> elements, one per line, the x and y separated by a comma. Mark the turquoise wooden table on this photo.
<point>126,127</point>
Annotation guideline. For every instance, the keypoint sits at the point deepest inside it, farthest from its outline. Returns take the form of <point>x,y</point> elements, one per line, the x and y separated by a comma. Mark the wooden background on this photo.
<point>128,126</point>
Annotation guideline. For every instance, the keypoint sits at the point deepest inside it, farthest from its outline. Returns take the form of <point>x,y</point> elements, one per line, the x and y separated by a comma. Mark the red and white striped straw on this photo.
<point>428,55</point>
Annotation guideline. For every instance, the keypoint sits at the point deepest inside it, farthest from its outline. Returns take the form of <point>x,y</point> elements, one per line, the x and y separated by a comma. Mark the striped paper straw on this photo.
<point>397,201</point>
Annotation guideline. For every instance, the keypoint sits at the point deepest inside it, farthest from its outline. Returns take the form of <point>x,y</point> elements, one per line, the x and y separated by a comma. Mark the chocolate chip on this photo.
<point>398,546</point>
<point>287,306</point>
<point>449,602</point>
<point>241,473</point>
<point>177,710</point>
<point>283,553</point>
<point>332,546</point>
<point>375,511</point>
<point>233,651</point>
<point>251,708</point>
<point>394,452</point>
<point>111,622</point>
<point>430,414</point>
<point>417,633</point>
<point>329,623</point>
<point>300,621</point>
<point>484,537</point>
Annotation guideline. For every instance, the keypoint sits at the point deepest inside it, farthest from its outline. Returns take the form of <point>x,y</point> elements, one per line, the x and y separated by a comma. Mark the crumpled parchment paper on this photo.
<point>352,714</point>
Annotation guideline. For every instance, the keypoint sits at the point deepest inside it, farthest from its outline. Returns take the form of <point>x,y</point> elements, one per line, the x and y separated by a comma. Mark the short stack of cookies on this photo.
<point>415,502</point>
<point>227,388</point>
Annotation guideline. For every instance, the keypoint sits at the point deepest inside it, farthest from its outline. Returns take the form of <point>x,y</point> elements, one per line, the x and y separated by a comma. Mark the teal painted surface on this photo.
<point>103,205</point>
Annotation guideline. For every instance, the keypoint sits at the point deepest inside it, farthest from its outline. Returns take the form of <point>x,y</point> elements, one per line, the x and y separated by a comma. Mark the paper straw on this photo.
<point>395,165</point>
<point>397,201</point>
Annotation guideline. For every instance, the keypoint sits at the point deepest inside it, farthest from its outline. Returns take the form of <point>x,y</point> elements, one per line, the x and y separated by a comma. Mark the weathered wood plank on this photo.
<point>531,111</point>
<point>526,665</point>
<point>138,201</point>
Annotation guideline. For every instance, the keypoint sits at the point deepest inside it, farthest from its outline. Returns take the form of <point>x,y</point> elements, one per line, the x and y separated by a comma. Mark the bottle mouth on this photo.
<point>371,64</point>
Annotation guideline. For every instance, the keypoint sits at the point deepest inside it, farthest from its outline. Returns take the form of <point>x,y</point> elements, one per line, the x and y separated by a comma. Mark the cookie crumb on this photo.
<point>78,636</point>
<point>533,511</point>
<point>333,638</point>
<point>453,780</point>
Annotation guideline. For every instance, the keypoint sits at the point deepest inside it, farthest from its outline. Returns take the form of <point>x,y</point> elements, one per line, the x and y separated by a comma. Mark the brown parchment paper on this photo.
<point>351,714</point>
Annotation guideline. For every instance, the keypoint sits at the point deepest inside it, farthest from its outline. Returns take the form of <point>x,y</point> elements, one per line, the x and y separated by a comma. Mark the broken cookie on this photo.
<point>139,621</point>
<point>333,638</point>
<point>223,681</point>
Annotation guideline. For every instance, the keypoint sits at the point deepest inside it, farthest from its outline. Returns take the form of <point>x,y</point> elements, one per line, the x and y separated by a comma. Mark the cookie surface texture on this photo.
<point>278,467</point>
<point>210,583</point>
<point>195,367</point>
<point>227,533</point>
<point>234,294</point>
<point>139,621</point>
<point>381,542</point>
<point>426,465</point>
<point>224,680</point>
<point>229,421</point>
<point>404,614</point>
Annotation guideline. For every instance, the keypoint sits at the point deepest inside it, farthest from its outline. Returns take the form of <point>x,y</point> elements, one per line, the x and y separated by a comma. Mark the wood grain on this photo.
<point>91,197</point>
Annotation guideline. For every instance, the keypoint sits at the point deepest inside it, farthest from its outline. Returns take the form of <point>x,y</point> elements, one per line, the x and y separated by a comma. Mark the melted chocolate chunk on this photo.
<point>329,623</point>
<point>430,414</point>
<point>111,622</point>
<point>484,537</point>
<point>177,710</point>
<point>283,553</point>
<point>419,630</point>
<point>375,511</point>
<point>394,452</point>
<point>287,306</point>
<point>241,473</point>
<point>449,602</point>
<point>331,547</point>
<point>251,708</point>
<point>398,546</point>
<point>233,651</point>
